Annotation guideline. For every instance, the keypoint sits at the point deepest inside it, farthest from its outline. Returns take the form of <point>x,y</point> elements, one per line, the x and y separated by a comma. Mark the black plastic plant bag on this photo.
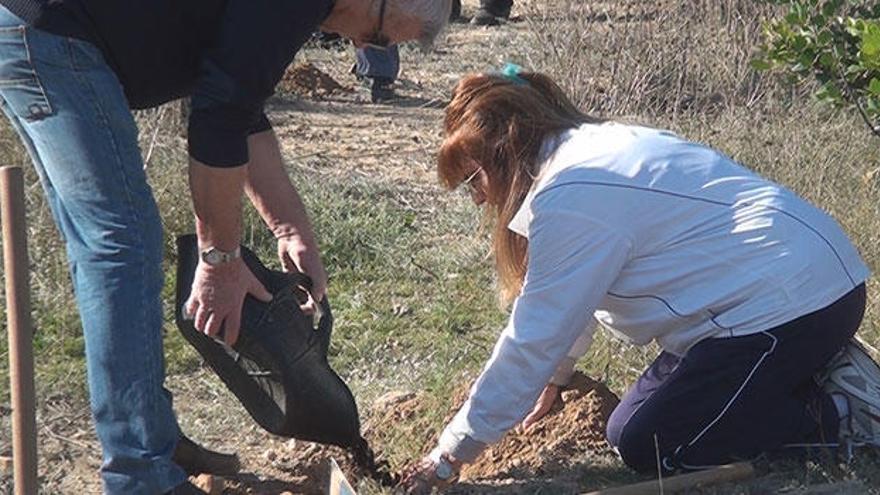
<point>278,368</point>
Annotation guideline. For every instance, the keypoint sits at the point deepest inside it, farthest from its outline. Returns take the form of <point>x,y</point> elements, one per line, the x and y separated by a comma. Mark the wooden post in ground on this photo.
<point>18,326</point>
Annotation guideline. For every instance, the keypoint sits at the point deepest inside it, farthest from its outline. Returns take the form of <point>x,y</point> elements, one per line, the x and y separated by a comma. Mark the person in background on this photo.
<point>70,73</point>
<point>379,67</point>
<point>455,12</point>
<point>492,12</point>
<point>752,294</point>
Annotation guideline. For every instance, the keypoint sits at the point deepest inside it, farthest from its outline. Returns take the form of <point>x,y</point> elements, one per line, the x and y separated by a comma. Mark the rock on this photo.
<point>212,485</point>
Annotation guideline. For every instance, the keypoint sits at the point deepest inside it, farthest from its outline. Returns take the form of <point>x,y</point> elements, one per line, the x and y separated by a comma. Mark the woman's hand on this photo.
<point>217,296</point>
<point>421,478</point>
<point>542,406</point>
<point>297,256</point>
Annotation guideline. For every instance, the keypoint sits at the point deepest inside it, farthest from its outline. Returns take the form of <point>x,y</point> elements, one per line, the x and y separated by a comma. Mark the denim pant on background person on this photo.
<point>378,63</point>
<point>500,8</point>
<point>72,116</point>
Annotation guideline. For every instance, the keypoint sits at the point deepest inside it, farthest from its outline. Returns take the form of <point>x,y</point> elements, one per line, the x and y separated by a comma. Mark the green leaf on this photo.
<point>869,48</point>
<point>871,42</point>
<point>854,70</point>
<point>829,93</point>
<point>760,64</point>
<point>806,59</point>
<point>829,8</point>
<point>874,87</point>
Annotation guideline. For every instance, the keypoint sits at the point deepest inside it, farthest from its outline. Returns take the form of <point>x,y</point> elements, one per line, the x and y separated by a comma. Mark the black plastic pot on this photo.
<point>278,368</point>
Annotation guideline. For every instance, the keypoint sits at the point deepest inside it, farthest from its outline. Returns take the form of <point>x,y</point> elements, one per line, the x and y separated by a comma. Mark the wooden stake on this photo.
<point>689,481</point>
<point>18,320</point>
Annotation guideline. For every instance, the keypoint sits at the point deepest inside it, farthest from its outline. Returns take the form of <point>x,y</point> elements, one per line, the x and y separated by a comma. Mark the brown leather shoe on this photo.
<point>195,459</point>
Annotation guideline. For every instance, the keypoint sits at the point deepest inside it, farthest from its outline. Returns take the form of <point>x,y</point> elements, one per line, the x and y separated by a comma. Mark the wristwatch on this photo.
<point>443,469</point>
<point>213,256</point>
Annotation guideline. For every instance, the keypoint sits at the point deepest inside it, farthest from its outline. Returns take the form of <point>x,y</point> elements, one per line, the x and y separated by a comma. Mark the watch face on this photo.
<point>444,470</point>
<point>211,256</point>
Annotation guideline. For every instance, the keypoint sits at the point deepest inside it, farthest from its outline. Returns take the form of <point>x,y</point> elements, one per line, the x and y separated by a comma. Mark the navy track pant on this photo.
<point>734,398</point>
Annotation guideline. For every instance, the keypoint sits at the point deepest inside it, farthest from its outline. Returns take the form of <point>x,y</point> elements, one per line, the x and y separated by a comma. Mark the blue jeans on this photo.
<point>70,111</point>
<point>378,63</point>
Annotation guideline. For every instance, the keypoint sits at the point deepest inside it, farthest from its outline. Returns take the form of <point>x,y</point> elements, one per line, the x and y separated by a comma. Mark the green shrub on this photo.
<point>835,42</point>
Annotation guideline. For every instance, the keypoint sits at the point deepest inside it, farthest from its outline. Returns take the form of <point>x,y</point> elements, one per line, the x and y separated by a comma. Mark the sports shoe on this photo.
<point>853,374</point>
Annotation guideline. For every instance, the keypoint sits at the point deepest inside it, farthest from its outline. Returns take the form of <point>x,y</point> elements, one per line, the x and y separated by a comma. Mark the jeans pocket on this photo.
<point>84,55</point>
<point>20,85</point>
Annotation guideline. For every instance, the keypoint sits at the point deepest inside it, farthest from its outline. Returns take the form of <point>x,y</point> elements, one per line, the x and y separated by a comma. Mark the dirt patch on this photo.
<point>304,468</point>
<point>575,427</point>
<point>307,80</point>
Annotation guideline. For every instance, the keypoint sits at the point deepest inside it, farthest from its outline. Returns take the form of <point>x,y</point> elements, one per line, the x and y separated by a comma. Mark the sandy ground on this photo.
<point>334,129</point>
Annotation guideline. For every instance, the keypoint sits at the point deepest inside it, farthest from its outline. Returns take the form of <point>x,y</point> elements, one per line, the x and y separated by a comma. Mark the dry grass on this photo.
<point>655,59</point>
<point>410,284</point>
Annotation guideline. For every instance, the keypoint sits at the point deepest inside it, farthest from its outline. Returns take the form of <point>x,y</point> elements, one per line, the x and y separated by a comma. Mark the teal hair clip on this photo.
<point>512,73</point>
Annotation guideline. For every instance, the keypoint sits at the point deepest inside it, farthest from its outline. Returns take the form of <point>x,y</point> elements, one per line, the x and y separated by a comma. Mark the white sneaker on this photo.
<point>855,376</point>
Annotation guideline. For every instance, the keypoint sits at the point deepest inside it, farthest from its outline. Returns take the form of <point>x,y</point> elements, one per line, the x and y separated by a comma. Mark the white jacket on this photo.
<point>658,239</point>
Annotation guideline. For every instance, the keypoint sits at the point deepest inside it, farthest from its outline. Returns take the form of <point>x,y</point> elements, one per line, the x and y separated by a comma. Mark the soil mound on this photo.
<point>575,427</point>
<point>308,80</point>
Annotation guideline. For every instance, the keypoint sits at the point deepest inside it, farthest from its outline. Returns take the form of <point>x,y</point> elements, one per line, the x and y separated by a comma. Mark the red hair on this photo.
<point>500,124</point>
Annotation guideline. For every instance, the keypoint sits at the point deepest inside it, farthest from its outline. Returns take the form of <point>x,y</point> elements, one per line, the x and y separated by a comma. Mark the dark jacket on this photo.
<point>228,55</point>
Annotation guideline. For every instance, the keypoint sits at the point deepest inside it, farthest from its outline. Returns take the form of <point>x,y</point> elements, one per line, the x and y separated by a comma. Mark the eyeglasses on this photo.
<point>470,180</point>
<point>377,38</point>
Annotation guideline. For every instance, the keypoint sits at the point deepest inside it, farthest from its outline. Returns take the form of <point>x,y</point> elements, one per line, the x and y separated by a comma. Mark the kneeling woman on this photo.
<point>748,289</point>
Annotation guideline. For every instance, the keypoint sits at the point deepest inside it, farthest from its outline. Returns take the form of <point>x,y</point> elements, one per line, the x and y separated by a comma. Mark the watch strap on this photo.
<point>216,256</point>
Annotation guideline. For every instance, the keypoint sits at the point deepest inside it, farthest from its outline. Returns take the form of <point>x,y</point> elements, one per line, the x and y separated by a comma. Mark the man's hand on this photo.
<point>269,188</point>
<point>542,406</point>
<point>218,294</point>
<point>297,256</point>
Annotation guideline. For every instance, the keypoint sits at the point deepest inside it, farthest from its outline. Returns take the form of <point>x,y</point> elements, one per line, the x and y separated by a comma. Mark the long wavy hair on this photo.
<point>500,124</point>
